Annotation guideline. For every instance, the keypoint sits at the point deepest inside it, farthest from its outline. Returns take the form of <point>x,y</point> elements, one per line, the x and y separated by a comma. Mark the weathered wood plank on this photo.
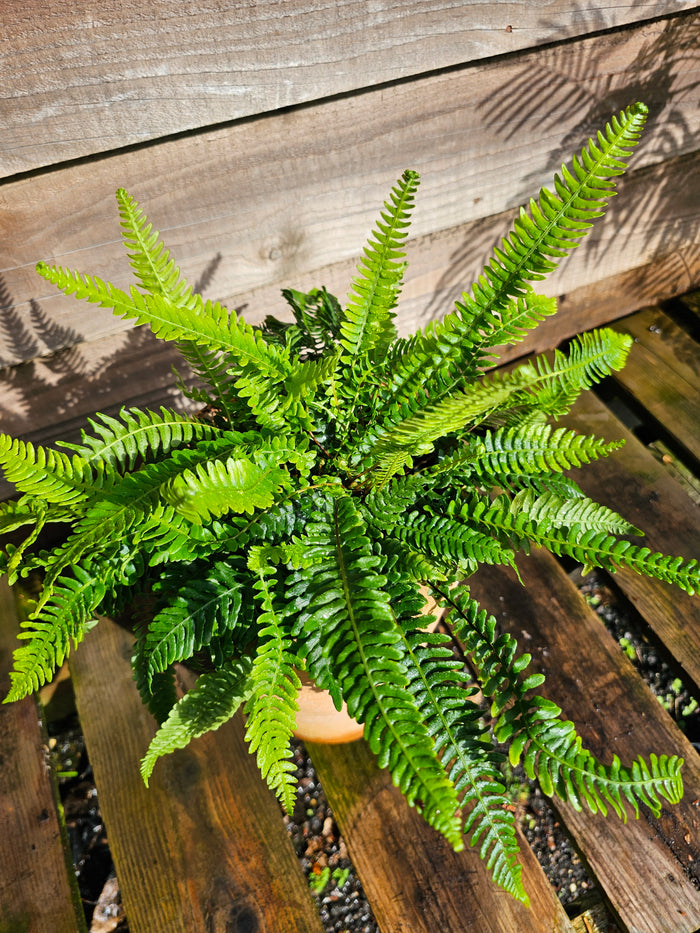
<point>649,869</point>
<point>413,879</point>
<point>115,73</point>
<point>663,374</point>
<point>264,215</point>
<point>635,484</point>
<point>50,397</point>
<point>204,847</point>
<point>38,893</point>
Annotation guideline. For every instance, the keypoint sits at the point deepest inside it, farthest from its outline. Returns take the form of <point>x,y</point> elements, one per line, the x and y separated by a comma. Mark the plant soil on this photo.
<point>314,834</point>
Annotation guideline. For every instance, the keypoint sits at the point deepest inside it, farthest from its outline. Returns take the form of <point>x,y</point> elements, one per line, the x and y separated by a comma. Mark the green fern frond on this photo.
<point>502,307</point>
<point>437,682</point>
<point>450,542</point>
<point>368,321</point>
<point>591,357</point>
<point>534,448</point>
<point>343,608</point>
<point>148,256</point>
<point>241,482</point>
<point>518,317</point>
<point>387,504</point>
<point>136,499</point>
<point>308,375</point>
<point>138,434</point>
<point>206,606</point>
<point>317,317</point>
<point>553,752</point>
<point>172,538</point>
<point>214,370</point>
<point>396,447</point>
<point>552,511</point>
<point>215,698</point>
<point>207,323</point>
<point>419,369</point>
<point>50,474</point>
<point>133,501</point>
<point>272,706</point>
<point>587,540</point>
<point>553,227</point>
<point>64,620</point>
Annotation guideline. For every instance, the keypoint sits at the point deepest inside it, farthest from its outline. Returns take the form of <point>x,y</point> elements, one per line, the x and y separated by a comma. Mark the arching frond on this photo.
<point>553,226</point>
<point>211,324</point>
<point>587,540</point>
<point>64,620</point>
<point>138,435</point>
<point>534,448</point>
<point>551,750</point>
<point>344,602</point>
<point>215,698</point>
<point>438,685</point>
<point>50,474</point>
<point>592,356</point>
<point>450,542</point>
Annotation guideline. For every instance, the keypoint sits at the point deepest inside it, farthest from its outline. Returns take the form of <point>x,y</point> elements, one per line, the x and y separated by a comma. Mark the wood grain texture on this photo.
<point>649,869</point>
<point>634,483</point>
<point>37,892</point>
<point>663,375</point>
<point>49,397</point>
<point>203,849</point>
<point>267,201</point>
<point>110,73</point>
<point>414,881</point>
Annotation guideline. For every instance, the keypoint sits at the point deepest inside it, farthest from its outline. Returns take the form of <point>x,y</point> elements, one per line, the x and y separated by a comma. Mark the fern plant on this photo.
<point>334,469</point>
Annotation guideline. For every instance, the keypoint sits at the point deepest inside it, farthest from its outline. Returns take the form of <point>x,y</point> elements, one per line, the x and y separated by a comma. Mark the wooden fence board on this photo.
<point>634,483</point>
<point>49,398</point>
<point>648,868</point>
<point>204,847</point>
<point>38,894</point>
<point>663,374</point>
<point>432,887</point>
<point>263,214</point>
<point>116,72</point>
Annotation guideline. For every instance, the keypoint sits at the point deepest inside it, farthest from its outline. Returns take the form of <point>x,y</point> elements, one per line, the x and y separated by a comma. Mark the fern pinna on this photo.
<point>335,469</point>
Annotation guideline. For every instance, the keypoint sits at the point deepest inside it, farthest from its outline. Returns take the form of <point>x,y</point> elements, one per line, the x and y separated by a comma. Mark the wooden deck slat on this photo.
<point>634,483</point>
<point>663,374</point>
<point>649,869</point>
<point>38,893</point>
<point>204,847</point>
<point>413,879</point>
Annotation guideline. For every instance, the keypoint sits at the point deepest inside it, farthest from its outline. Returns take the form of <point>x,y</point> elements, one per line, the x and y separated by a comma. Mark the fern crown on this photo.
<point>334,473</point>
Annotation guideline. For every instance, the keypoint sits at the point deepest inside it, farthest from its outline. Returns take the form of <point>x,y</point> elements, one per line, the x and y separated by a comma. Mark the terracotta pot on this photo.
<point>319,721</point>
